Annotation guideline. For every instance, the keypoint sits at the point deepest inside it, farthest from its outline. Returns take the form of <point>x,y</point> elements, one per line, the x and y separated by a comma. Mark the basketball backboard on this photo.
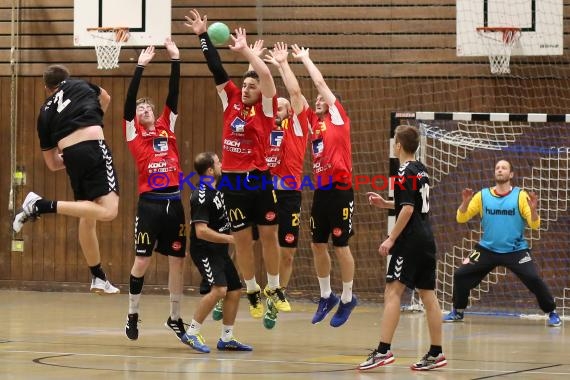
<point>540,21</point>
<point>149,21</point>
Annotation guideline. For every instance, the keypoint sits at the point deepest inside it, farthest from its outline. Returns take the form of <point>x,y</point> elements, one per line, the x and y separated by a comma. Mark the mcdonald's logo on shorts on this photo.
<point>236,214</point>
<point>142,238</point>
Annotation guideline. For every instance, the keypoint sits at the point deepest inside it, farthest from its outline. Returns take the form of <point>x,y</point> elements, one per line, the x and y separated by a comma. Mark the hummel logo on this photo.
<point>525,259</point>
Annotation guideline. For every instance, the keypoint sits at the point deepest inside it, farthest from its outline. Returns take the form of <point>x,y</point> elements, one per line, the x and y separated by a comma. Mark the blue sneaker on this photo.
<point>554,319</point>
<point>196,342</point>
<point>453,316</point>
<point>343,312</point>
<point>233,345</point>
<point>325,306</point>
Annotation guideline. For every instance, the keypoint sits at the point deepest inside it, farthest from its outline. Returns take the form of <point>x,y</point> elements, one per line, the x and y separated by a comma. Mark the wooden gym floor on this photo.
<point>62,336</point>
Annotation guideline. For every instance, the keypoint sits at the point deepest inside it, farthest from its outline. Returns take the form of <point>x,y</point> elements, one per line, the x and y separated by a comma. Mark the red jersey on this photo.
<point>286,151</point>
<point>332,152</point>
<point>246,130</point>
<point>154,152</point>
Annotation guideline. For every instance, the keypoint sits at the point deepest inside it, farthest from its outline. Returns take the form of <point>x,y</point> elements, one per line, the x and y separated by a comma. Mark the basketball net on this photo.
<point>108,43</point>
<point>499,43</point>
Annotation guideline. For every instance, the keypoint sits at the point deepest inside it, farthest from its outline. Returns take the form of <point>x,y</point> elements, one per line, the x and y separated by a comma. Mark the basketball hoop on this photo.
<point>499,42</point>
<point>108,42</point>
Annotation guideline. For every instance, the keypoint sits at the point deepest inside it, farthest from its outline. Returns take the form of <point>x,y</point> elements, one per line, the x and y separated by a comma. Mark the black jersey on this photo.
<point>74,105</point>
<point>412,188</point>
<point>207,206</point>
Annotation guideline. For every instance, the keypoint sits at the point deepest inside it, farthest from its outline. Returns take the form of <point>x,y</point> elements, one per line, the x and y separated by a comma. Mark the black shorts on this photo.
<point>89,165</point>
<point>160,226</point>
<point>288,212</point>
<point>413,263</point>
<point>249,198</point>
<point>331,213</point>
<point>215,266</point>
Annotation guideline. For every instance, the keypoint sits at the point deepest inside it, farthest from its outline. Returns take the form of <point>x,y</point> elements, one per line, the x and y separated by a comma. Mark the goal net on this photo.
<point>460,150</point>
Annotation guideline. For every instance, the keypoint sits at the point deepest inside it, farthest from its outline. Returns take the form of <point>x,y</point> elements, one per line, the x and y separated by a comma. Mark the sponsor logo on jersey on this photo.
<point>236,214</point>
<point>497,211</point>
<point>276,138</point>
<point>238,125</point>
<point>160,144</point>
<point>318,146</point>
<point>142,238</point>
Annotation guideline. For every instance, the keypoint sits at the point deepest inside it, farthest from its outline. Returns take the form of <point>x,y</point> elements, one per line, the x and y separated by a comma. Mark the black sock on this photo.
<point>434,350</point>
<point>384,347</point>
<point>45,206</point>
<point>136,284</point>
<point>98,272</point>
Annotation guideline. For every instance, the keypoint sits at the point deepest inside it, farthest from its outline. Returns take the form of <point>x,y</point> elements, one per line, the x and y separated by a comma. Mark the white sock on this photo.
<point>134,300</point>
<point>175,306</point>
<point>251,285</point>
<point>346,296</point>
<point>272,281</point>
<point>194,328</point>
<point>325,285</point>
<point>227,333</point>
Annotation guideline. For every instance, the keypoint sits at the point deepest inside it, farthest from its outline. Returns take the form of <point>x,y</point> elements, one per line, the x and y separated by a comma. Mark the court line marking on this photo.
<point>201,357</point>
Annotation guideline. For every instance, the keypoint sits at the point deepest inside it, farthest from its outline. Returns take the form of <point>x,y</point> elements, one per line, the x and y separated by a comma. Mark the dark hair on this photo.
<point>508,162</point>
<point>54,75</point>
<point>250,74</point>
<point>203,162</point>
<point>408,136</point>
<point>146,101</point>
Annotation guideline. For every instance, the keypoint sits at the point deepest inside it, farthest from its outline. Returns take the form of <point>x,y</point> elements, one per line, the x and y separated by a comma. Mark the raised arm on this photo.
<point>302,54</point>
<point>199,26</point>
<point>240,45</point>
<point>278,57</point>
<point>131,99</point>
<point>470,206</point>
<point>174,82</point>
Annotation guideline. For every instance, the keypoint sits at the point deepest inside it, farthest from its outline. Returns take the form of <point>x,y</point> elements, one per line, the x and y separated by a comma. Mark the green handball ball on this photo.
<point>219,33</point>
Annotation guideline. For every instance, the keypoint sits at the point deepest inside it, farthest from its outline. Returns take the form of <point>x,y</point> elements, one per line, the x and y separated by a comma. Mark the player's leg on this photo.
<point>228,341</point>
<point>289,212</point>
<point>434,358</point>
<point>341,209</point>
<point>476,266</point>
<point>523,266</point>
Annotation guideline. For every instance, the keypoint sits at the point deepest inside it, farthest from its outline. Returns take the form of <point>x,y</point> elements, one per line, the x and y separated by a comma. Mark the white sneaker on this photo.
<point>102,287</point>
<point>28,212</point>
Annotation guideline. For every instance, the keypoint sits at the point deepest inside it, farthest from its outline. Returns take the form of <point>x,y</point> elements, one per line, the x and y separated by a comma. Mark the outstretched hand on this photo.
<point>197,23</point>
<point>171,48</point>
<point>532,200</point>
<point>466,195</point>
<point>278,55</point>
<point>257,48</point>
<point>240,40</point>
<point>146,56</point>
<point>376,200</point>
<point>299,52</point>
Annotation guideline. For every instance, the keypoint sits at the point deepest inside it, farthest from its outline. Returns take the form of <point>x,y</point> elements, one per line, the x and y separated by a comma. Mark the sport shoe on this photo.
<point>255,305</point>
<point>376,359</point>
<point>233,345</point>
<point>554,319</point>
<point>28,213</point>
<point>270,316</point>
<point>218,312</point>
<point>429,362</point>
<point>278,298</point>
<point>454,316</point>
<point>197,342</point>
<point>102,287</point>
<point>325,306</point>
<point>343,312</point>
<point>132,329</point>
<point>176,326</point>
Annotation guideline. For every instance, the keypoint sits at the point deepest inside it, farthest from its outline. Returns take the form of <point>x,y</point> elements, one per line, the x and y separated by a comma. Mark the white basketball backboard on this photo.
<point>149,21</point>
<point>540,21</point>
